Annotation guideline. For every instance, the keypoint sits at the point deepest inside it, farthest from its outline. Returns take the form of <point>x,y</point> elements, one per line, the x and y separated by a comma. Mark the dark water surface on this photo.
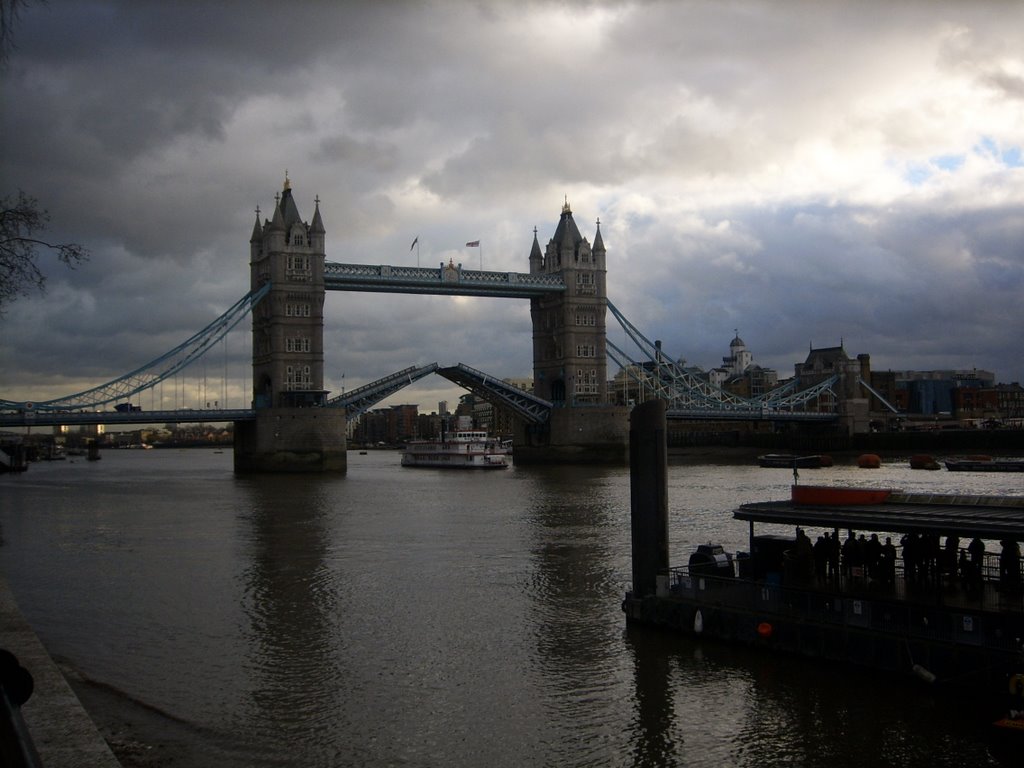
<point>416,617</point>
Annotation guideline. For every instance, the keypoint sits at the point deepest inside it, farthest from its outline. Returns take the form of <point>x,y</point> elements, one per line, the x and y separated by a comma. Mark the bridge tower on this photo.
<point>293,432</point>
<point>570,366</point>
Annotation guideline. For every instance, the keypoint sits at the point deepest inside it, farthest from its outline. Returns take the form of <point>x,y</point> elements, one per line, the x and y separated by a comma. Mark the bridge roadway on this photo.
<point>44,418</point>
<point>48,418</point>
<point>762,414</point>
<point>450,280</point>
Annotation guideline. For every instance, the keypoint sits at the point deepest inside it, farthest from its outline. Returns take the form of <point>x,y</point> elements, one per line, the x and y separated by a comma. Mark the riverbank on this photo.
<point>63,734</point>
<point>141,736</point>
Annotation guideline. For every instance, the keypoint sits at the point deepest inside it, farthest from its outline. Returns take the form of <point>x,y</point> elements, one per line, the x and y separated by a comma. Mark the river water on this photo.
<point>417,617</point>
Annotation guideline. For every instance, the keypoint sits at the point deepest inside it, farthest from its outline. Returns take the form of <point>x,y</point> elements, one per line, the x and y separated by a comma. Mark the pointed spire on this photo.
<point>278,221</point>
<point>289,211</point>
<point>317,227</point>
<point>598,240</point>
<point>536,255</point>
<point>567,234</point>
<point>257,230</point>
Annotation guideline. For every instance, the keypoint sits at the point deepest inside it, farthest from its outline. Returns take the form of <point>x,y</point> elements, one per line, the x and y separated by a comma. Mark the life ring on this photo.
<point>1017,684</point>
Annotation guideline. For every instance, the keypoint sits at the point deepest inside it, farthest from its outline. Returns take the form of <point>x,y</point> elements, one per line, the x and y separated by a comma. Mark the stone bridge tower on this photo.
<point>569,360</point>
<point>570,364</point>
<point>293,430</point>
<point>288,326</point>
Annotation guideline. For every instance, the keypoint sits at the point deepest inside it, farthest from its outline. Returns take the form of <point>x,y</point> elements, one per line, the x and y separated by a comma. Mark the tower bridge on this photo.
<point>569,416</point>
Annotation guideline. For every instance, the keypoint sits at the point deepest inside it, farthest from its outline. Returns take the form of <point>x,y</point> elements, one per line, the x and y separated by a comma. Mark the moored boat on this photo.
<point>985,465</point>
<point>789,461</point>
<point>461,449</point>
<point>949,621</point>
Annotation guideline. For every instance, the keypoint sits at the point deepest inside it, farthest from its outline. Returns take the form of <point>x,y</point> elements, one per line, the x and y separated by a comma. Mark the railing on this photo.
<point>450,279</point>
<point>937,612</point>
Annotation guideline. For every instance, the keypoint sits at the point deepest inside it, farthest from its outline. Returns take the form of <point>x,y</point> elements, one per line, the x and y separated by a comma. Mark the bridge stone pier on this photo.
<point>293,431</point>
<point>595,435</point>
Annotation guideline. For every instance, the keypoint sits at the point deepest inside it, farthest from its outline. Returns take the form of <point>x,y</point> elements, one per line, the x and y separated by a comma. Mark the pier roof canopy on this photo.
<point>987,517</point>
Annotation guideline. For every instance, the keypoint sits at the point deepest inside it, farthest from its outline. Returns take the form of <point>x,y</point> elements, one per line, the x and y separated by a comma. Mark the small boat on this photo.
<point>985,465</point>
<point>789,461</point>
<point>462,449</point>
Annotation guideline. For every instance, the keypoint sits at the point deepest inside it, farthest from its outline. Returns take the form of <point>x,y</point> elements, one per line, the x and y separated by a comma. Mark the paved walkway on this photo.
<point>63,733</point>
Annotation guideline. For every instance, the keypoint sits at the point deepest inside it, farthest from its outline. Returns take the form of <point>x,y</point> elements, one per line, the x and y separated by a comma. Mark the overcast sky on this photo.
<point>804,173</point>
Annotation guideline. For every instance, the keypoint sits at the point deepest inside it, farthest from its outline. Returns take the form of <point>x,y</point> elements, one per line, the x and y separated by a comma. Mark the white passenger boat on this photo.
<point>461,449</point>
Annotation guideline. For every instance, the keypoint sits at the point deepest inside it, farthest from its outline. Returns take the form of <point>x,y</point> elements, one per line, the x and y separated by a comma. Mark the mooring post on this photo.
<point>648,485</point>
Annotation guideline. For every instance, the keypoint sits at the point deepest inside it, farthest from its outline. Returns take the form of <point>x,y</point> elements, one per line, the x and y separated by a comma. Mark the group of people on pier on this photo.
<point>927,560</point>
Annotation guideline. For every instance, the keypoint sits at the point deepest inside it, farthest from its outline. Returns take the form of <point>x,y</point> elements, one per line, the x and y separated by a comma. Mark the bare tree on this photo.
<point>9,10</point>
<point>20,220</point>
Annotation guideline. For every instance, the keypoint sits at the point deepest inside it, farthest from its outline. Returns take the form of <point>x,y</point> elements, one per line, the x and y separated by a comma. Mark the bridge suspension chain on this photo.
<point>155,371</point>
<point>669,381</point>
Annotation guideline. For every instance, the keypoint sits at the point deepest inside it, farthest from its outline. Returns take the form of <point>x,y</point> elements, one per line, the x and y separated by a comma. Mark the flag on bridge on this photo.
<point>414,242</point>
<point>473,244</point>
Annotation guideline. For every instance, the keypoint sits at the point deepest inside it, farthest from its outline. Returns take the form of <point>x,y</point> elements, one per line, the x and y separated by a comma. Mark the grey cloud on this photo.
<point>151,131</point>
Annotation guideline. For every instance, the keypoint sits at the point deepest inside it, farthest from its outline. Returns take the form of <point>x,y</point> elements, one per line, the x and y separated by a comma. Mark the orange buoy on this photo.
<point>923,461</point>
<point>869,461</point>
<point>826,460</point>
<point>764,630</point>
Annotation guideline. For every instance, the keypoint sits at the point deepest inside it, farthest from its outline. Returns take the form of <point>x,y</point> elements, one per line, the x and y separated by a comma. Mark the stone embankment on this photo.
<point>63,734</point>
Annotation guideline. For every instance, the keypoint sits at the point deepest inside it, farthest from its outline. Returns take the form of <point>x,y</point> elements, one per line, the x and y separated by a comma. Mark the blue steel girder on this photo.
<point>823,389</point>
<point>358,401</point>
<point>153,372</point>
<point>696,405</point>
<point>776,395</point>
<point>526,405</point>
<point>877,394</point>
<point>679,387</point>
<point>450,280</point>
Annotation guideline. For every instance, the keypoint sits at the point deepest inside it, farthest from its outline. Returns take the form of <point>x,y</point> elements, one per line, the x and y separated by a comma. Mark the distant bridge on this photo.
<point>654,374</point>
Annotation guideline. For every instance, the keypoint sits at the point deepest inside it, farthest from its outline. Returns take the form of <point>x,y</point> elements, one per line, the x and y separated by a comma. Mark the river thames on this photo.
<point>416,617</point>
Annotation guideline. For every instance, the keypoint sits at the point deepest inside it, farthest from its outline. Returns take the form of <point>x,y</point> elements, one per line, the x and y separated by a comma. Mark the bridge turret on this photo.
<point>255,244</point>
<point>598,250</point>
<point>316,229</point>
<point>536,257</point>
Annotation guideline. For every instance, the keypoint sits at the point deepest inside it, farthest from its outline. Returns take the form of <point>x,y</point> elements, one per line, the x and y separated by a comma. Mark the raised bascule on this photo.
<point>569,417</point>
